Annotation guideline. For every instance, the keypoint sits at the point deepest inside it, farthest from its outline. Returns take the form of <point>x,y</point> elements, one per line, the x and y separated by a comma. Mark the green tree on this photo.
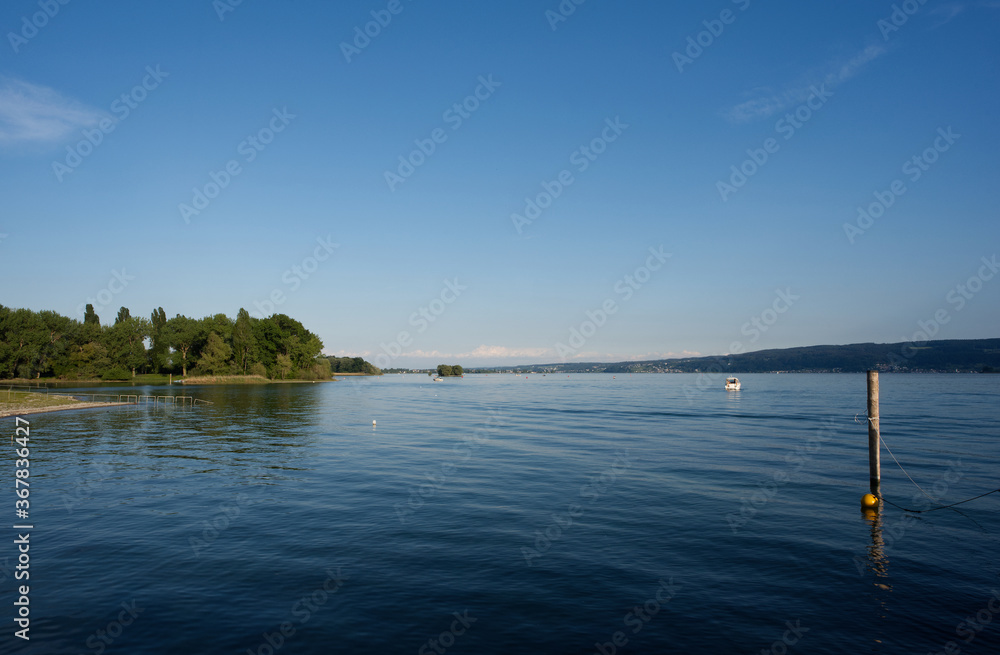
<point>55,348</point>
<point>244,342</point>
<point>444,370</point>
<point>283,366</point>
<point>183,334</point>
<point>89,360</point>
<point>457,370</point>
<point>215,356</point>
<point>158,343</point>
<point>90,318</point>
<point>126,341</point>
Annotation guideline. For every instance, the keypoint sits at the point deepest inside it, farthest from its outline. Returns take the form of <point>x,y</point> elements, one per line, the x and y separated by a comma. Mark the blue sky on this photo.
<point>665,98</point>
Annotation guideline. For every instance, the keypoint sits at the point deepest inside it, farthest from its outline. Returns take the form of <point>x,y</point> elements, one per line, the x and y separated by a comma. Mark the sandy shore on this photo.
<point>22,411</point>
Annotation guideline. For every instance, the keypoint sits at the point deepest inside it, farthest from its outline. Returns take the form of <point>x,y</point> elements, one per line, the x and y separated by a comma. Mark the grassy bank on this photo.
<point>226,379</point>
<point>30,399</point>
<point>14,403</point>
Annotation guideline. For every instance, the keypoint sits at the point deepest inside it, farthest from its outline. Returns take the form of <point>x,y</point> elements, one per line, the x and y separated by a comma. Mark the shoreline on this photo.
<point>5,413</point>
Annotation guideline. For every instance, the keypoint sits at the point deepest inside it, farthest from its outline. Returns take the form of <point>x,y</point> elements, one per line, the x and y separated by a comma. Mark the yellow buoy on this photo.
<point>869,501</point>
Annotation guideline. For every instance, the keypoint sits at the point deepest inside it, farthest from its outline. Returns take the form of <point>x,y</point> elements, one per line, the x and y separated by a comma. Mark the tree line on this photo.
<point>47,344</point>
<point>444,370</point>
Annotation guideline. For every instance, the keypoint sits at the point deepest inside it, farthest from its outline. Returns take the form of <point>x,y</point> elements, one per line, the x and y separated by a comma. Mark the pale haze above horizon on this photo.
<point>509,183</point>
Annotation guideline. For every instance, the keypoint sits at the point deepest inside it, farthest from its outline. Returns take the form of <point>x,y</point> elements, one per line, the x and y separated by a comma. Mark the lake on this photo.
<point>502,513</point>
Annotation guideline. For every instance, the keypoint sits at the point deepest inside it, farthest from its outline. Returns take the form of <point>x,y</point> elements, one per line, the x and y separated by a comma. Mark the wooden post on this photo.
<point>874,444</point>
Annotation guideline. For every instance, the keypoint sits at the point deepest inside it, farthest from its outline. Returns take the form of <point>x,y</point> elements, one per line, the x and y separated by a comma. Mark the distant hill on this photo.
<point>948,356</point>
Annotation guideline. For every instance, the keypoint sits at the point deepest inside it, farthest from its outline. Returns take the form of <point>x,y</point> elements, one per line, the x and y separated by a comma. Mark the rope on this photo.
<point>917,511</point>
<point>934,509</point>
<point>904,470</point>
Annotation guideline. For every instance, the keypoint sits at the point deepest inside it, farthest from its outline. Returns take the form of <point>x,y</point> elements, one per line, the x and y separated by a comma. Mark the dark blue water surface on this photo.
<point>500,514</point>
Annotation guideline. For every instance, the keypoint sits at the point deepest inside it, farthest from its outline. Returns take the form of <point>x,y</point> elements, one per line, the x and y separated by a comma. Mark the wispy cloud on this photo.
<point>767,103</point>
<point>948,10</point>
<point>30,113</point>
<point>485,352</point>
<point>499,355</point>
<point>596,356</point>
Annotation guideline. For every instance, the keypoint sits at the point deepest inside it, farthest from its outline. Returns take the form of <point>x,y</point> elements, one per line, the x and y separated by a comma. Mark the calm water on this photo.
<point>500,514</point>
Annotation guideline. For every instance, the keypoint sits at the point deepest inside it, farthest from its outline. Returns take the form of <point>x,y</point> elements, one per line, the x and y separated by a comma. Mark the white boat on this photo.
<point>732,384</point>
<point>439,379</point>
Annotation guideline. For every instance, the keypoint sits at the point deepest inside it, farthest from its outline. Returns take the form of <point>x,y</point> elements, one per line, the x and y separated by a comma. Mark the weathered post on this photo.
<point>874,450</point>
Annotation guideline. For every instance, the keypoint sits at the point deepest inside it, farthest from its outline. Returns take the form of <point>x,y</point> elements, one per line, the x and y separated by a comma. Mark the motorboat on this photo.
<point>732,384</point>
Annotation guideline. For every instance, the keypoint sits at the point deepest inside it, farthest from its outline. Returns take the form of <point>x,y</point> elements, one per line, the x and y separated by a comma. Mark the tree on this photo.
<point>58,332</point>
<point>244,342</point>
<point>126,341</point>
<point>444,370</point>
<point>457,370</point>
<point>90,360</point>
<point>183,334</point>
<point>90,318</point>
<point>321,368</point>
<point>158,346</point>
<point>283,366</point>
<point>214,356</point>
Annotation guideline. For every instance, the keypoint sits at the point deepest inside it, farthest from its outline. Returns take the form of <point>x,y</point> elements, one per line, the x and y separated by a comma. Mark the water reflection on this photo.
<point>878,562</point>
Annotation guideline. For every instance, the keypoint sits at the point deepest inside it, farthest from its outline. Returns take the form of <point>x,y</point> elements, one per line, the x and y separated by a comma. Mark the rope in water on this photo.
<point>919,511</point>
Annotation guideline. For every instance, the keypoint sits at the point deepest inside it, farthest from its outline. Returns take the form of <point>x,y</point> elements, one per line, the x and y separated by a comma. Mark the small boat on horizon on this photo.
<point>732,384</point>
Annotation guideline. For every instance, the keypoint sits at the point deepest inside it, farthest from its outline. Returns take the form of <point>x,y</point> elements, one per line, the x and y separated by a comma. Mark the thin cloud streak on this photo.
<point>30,113</point>
<point>502,356</point>
<point>767,105</point>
